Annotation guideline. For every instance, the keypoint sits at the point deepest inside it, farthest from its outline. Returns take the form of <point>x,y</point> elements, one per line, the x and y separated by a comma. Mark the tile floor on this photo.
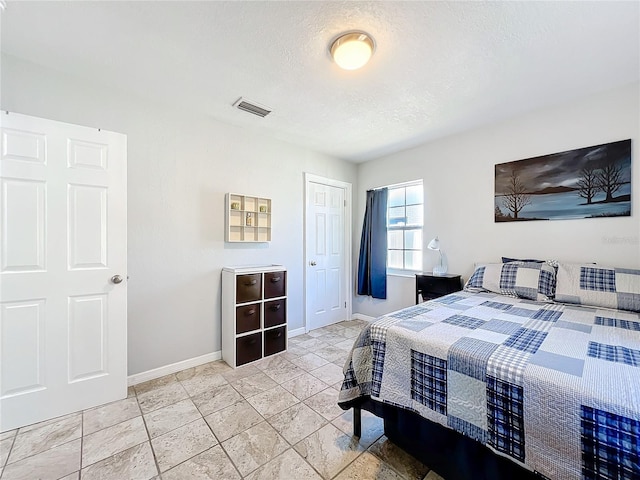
<point>275,419</point>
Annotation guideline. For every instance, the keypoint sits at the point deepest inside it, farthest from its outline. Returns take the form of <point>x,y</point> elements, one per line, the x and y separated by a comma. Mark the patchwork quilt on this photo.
<point>553,387</point>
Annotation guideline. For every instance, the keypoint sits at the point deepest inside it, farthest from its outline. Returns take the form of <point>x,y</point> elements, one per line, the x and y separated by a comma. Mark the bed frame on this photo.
<point>452,455</point>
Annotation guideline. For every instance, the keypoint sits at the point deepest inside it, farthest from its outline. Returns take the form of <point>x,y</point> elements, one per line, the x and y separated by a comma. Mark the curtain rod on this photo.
<point>401,184</point>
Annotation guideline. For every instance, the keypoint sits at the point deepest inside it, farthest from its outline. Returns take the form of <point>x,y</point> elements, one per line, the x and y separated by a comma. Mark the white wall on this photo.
<point>180,166</point>
<point>458,173</point>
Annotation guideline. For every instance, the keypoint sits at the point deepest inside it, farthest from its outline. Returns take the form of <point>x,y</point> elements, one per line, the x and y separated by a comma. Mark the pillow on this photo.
<point>508,260</point>
<point>531,280</point>
<point>597,286</point>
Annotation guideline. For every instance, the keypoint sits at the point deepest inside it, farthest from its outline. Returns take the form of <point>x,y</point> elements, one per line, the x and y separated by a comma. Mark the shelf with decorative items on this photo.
<point>248,218</point>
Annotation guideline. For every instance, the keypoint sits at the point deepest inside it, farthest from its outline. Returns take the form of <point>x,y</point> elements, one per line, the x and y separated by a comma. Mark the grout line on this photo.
<point>144,422</point>
<point>351,462</point>
<point>379,457</point>
<point>312,467</point>
<point>153,452</point>
<point>39,452</point>
<point>224,450</point>
<point>201,416</point>
<point>81,442</point>
<point>13,442</point>
<point>112,456</point>
<point>212,432</point>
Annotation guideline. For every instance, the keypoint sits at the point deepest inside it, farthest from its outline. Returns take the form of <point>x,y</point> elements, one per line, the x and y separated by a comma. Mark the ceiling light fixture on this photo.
<point>352,50</point>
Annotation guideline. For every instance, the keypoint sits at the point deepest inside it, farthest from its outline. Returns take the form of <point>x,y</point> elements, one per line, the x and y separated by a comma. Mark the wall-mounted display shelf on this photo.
<point>248,218</point>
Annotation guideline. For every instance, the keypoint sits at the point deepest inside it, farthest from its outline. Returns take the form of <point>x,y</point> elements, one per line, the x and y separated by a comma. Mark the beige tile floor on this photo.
<point>275,419</point>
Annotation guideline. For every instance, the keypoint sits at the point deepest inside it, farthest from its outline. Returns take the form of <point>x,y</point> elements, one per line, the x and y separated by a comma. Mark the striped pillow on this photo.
<point>597,286</point>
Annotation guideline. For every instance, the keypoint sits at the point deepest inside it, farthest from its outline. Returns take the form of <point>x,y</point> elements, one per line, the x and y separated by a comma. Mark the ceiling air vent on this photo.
<point>252,107</point>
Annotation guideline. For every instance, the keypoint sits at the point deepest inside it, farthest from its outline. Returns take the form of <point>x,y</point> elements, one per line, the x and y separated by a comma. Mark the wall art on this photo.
<point>583,183</point>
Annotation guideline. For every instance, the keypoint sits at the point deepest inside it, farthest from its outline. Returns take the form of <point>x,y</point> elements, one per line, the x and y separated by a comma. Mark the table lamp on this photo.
<point>440,269</point>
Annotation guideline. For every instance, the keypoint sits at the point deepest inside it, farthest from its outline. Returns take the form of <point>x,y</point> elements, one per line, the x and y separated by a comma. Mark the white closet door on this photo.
<point>63,308</point>
<point>326,302</point>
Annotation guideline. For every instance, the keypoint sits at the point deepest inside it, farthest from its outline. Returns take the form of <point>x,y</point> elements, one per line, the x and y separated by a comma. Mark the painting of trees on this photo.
<point>515,197</point>
<point>589,183</point>
<point>610,179</point>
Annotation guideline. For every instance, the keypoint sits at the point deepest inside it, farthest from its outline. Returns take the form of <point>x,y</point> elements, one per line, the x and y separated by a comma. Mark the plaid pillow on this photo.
<point>531,280</point>
<point>508,260</point>
<point>590,284</point>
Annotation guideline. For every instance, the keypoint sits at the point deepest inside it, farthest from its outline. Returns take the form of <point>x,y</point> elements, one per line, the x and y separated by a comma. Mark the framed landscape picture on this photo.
<point>584,183</point>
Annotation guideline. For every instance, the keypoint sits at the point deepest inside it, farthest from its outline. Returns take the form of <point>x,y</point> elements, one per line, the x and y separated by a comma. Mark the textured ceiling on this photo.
<point>439,68</point>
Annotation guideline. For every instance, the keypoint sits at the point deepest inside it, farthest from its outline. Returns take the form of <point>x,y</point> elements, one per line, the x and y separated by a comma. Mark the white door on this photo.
<point>63,311</point>
<point>326,268</point>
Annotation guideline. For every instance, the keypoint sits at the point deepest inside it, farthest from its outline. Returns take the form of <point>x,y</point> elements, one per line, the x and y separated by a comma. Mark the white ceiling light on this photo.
<point>352,50</point>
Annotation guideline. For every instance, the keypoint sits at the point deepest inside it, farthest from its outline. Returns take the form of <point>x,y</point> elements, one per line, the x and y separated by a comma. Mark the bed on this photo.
<point>533,371</point>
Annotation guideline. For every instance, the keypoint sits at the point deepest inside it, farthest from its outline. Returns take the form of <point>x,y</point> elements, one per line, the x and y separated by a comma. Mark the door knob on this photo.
<point>312,263</point>
<point>116,279</point>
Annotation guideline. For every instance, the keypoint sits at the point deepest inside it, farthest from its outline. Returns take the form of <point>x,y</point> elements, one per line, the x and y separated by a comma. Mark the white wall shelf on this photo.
<point>248,218</point>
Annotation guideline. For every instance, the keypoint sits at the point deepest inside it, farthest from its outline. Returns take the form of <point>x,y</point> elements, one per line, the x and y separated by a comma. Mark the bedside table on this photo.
<point>433,286</point>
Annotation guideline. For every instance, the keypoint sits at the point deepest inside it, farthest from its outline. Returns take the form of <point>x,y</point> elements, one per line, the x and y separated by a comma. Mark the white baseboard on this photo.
<point>191,362</point>
<point>362,316</point>
<point>296,332</point>
<point>173,368</point>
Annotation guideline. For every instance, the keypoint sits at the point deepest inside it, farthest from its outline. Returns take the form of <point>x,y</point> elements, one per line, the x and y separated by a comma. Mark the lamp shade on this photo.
<point>441,268</point>
<point>352,50</point>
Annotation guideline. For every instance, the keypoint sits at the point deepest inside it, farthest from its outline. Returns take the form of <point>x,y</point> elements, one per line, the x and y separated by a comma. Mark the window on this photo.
<point>404,226</point>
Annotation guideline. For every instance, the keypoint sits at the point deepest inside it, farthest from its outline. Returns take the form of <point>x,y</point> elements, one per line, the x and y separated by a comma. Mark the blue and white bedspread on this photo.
<point>553,387</point>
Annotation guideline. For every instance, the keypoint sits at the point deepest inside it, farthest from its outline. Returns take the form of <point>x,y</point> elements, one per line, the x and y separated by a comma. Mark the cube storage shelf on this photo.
<point>248,218</point>
<point>254,313</point>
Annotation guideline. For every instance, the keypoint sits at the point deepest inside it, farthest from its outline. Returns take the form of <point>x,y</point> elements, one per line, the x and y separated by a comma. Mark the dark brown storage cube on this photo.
<point>274,283</point>
<point>248,288</point>
<point>275,313</point>
<point>248,348</point>
<point>274,340</point>
<point>247,318</point>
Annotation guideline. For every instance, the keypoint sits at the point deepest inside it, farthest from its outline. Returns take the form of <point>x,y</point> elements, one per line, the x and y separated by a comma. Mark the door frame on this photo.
<point>348,273</point>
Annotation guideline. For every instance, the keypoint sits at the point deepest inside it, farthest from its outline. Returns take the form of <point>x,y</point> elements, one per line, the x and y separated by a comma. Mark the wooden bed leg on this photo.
<point>357,421</point>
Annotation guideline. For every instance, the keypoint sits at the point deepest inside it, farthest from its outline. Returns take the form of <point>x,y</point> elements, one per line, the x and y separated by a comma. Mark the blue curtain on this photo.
<point>372,265</point>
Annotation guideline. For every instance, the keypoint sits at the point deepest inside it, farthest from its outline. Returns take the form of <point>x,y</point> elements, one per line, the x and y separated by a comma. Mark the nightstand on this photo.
<point>433,286</point>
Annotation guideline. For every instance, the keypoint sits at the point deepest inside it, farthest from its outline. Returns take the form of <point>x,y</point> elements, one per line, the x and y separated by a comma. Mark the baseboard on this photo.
<point>173,368</point>
<point>362,316</point>
<point>296,332</point>
<point>191,362</point>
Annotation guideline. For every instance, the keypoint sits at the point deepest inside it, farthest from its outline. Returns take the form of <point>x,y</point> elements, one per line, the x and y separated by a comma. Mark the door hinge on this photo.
<point>345,203</point>
<point>345,304</point>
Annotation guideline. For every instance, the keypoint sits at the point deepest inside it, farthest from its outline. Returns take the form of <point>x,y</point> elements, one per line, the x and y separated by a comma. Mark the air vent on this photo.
<point>252,107</point>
